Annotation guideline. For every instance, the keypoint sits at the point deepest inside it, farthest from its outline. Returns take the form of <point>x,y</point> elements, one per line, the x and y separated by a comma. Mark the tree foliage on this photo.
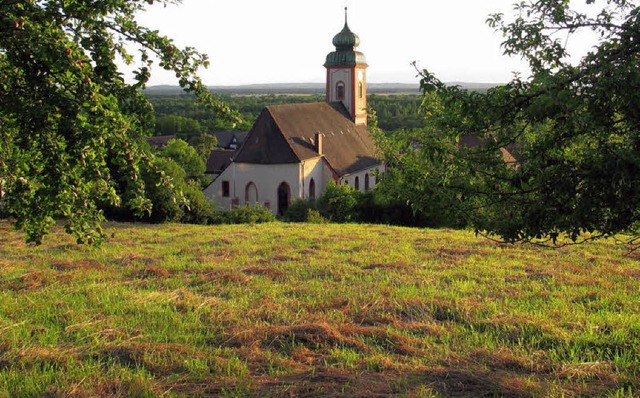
<point>167,202</point>
<point>338,202</point>
<point>574,126</point>
<point>186,156</point>
<point>204,144</point>
<point>177,125</point>
<point>68,118</point>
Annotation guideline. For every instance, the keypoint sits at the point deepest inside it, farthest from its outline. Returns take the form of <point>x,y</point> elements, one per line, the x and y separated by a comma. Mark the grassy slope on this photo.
<point>305,310</point>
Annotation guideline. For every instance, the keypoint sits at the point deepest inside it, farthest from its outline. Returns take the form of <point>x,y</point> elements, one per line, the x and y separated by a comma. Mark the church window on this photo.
<point>360,90</point>
<point>251,194</point>
<point>284,197</point>
<point>226,191</point>
<point>340,90</point>
<point>366,182</point>
<point>312,189</point>
<point>356,184</point>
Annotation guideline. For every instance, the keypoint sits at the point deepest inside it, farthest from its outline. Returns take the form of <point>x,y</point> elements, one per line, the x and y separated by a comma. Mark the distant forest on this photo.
<point>178,114</point>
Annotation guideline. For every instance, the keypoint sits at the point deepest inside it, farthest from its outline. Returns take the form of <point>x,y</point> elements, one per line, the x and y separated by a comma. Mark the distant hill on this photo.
<point>311,88</point>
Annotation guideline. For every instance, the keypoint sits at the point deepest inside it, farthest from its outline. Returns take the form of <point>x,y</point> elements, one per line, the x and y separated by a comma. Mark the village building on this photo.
<point>293,151</point>
<point>228,144</point>
<point>230,140</point>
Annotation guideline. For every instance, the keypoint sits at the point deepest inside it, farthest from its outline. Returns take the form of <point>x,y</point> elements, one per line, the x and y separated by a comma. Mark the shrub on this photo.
<point>164,188</point>
<point>377,208</point>
<point>338,203</point>
<point>298,210</point>
<point>199,210</point>
<point>314,217</point>
<point>254,214</point>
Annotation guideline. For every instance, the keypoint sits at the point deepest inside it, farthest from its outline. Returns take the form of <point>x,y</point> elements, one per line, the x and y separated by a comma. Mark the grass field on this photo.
<point>315,310</point>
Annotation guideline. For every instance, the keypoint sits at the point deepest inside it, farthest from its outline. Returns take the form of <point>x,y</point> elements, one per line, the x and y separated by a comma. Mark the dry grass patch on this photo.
<point>271,273</point>
<point>31,280</point>
<point>588,371</point>
<point>396,265</point>
<point>223,276</point>
<point>509,360</point>
<point>160,359</point>
<point>132,258</point>
<point>327,382</point>
<point>45,356</point>
<point>314,336</point>
<point>384,340</point>
<point>278,258</point>
<point>77,265</point>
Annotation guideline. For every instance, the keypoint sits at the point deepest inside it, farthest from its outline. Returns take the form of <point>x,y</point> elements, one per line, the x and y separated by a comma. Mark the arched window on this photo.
<point>366,182</point>
<point>356,184</point>
<point>360,90</point>
<point>340,90</point>
<point>251,194</point>
<point>284,197</point>
<point>226,189</point>
<point>312,189</point>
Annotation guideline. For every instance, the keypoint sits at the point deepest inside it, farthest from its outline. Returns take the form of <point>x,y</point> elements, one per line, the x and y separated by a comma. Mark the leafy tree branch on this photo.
<point>573,128</point>
<point>70,123</point>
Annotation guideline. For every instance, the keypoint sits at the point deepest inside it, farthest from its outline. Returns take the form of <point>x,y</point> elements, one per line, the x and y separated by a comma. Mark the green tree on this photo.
<point>185,156</point>
<point>67,116</point>
<point>174,196</point>
<point>204,144</point>
<point>168,203</point>
<point>338,202</point>
<point>575,127</point>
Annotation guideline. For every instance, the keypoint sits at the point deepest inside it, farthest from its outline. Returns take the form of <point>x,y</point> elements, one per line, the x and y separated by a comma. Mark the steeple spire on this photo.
<point>346,73</point>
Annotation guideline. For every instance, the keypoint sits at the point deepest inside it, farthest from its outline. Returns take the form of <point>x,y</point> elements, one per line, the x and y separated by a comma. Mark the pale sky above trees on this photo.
<point>257,41</point>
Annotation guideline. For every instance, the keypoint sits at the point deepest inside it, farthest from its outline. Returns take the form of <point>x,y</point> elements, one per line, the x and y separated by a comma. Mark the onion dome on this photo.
<point>345,42</point>
<point>346,39</point>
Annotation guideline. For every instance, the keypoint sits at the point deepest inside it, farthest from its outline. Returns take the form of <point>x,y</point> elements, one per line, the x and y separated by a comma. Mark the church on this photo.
<point>294,150</point>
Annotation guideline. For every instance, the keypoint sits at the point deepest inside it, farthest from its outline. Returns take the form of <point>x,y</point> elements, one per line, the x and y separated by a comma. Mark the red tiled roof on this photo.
<point>218,160</point>
<point>286,134</point>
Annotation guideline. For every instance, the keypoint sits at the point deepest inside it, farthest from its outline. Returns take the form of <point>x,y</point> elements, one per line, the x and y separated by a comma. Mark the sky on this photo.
<point>286,41</point>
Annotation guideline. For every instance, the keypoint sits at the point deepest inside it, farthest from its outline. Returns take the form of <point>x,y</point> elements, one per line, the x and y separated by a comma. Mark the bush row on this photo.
<point>342,203</point>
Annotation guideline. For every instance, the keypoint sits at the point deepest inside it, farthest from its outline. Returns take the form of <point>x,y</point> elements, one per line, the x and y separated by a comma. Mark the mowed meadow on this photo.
<point>315,310</point>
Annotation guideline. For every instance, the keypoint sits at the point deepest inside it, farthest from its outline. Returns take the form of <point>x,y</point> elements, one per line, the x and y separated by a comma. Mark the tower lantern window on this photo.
<point>340,90</point>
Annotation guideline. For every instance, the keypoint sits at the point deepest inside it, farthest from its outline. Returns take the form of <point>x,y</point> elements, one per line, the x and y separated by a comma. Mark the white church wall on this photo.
<point>313,169</point>
<point>215,190</point>
<point>374,174</point>
<point>266,178</point>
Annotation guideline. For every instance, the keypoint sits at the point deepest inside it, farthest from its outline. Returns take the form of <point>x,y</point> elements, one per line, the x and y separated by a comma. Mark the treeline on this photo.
<point>397,112</point>
<point>178,114</point>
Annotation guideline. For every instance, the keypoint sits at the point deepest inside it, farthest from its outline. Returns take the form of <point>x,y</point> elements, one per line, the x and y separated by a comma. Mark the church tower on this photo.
<point>347,74</point>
